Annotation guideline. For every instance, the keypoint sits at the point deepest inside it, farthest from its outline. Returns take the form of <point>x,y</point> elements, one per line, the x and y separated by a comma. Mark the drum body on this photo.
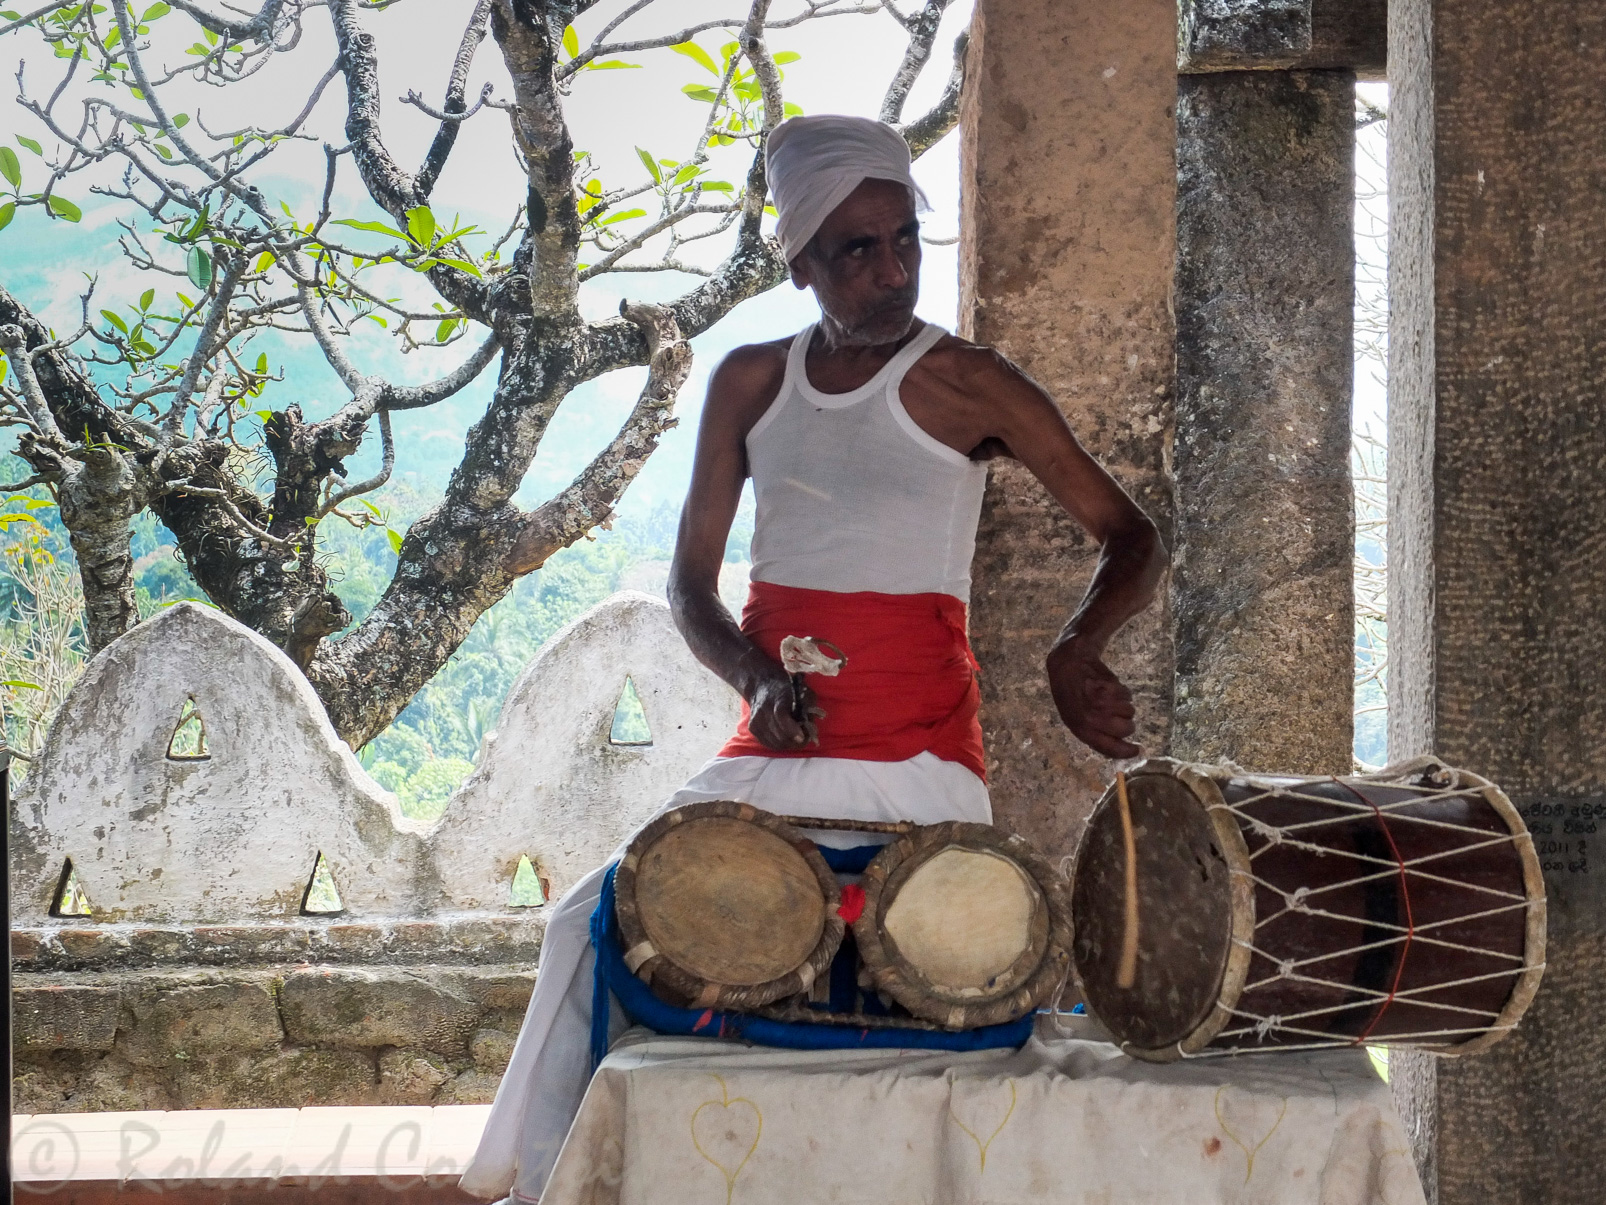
<point>723,905</point>
<point>964,925</point>
<point>1404,907</point>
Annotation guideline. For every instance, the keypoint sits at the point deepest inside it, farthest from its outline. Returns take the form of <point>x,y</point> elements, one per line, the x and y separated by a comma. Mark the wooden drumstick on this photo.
<point>1127,973</point>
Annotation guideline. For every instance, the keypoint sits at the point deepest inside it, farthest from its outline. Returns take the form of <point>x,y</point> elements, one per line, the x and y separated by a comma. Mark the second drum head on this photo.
<point>964,925</point>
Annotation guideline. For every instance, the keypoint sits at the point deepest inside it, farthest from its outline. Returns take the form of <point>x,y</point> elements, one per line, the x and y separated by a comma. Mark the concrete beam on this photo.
<point>1283,35</point>
<point>1068,241</point>
<point>1262,574</point>
<point>1497,566</point>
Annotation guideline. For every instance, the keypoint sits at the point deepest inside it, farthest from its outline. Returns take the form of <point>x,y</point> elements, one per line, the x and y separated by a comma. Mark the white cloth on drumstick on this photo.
<point>551,1065</point>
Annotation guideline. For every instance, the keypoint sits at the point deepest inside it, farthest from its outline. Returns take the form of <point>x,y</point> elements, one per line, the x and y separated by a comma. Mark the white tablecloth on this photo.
<point>669,1121</point>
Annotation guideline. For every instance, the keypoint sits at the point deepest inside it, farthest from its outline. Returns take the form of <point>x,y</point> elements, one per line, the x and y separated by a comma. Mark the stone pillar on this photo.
<point>1069,169</point>
<point>1262,573</point>
<point>1497,531</point>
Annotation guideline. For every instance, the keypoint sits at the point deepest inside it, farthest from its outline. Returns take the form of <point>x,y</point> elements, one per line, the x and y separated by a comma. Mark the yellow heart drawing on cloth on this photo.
<point>719,1130</point>
<point>1250,1115</point>
<point>975,1135</point>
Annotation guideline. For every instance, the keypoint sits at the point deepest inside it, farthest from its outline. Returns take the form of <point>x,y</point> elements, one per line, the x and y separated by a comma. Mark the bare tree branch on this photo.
<point>592,495</point>
<point>926,131</point>
<point>922,29</point>
<point>259,27</point>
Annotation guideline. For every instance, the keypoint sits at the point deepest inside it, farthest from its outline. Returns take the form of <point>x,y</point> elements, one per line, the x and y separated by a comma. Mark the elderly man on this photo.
<point>866,437</point>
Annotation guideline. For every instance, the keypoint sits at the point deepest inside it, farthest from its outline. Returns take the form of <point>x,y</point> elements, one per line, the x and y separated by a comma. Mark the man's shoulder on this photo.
<point>966,364</point>
<point>746,381</point>
<point>755,364</point>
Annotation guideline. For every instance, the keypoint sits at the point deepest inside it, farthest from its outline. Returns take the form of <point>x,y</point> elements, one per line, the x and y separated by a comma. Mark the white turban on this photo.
<point>815,162</point>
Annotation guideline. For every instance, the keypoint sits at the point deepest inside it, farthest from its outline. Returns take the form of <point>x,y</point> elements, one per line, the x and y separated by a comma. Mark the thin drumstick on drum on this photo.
<point>1127,973</point>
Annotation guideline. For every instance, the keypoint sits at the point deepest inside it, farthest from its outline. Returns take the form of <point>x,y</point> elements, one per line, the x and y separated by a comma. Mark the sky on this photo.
<point>844,65</point>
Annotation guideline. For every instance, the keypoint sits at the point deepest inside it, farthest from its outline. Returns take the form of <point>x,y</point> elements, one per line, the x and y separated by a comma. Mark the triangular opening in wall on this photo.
<point>70,898</point>
<point>526,891</point>
<point>321,898</point>
<point>188,742</point>
<point>629,719</point>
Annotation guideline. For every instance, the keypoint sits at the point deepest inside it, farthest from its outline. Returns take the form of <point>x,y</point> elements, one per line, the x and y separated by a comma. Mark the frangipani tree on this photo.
<point>160,401</point>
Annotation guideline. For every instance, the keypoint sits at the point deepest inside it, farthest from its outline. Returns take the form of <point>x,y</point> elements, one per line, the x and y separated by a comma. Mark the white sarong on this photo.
<point>547,1077</point>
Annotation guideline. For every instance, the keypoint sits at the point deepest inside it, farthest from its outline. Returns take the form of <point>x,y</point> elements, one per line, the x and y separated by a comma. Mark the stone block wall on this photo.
<point>264,1037</point>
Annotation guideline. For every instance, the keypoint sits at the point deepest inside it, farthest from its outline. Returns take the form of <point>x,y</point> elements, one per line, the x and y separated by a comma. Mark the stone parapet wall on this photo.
<point>244,1037</point>
<point>468,940</point>
<point>201,977</point>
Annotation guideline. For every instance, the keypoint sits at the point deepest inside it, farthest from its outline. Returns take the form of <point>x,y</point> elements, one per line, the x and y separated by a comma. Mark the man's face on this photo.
<point>864,264</point>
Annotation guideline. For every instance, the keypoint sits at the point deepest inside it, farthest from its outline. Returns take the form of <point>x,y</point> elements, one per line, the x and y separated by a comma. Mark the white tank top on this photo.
<point>852,494</point>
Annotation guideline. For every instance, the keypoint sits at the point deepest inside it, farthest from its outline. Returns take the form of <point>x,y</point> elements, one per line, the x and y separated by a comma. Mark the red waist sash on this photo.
<point>909,685</point>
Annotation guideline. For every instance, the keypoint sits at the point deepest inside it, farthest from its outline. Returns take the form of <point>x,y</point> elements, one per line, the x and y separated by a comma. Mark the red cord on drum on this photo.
<point>1410,923</point>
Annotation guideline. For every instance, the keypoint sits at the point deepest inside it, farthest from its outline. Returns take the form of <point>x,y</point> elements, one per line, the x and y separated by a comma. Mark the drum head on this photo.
<point>964,925</point>
<point>1184,912</point>
<point>721,903</point>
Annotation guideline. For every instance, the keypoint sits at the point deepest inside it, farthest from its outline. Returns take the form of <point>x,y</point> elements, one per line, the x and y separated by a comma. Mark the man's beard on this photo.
<point>886,325</point>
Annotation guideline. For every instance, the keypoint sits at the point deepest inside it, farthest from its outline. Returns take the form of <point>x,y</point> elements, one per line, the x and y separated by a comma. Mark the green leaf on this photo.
<point>181,120</point>
<point>787,56</point>
<point>30,144</point>
<point>622,217</point>
<point>687,172</point>
<point>155,11</point>
<point>63,208</point>
<point>380,320</point>
<point>700,92</point>
<point>444,330</point>
<point>115,320</point>
<point>371,227</point>
<point>697,54</point>
<point>790,110</point>
<point>728,51</point>
<point>421,226</point>
<point>571,42</point>
<point>145,299</point>
<point>113,38</point>
<point>265,261</point>
<point>395,538</point>
<point>211,38</point>
<point>716,186</point>
<point>7,212</point>
<point>651,166</point>
<point>198,267</point>
<point>264,415</point>
<point>462,265</point>
<point>18,683</point>
<point>610,65</point>
<point>9,167</point>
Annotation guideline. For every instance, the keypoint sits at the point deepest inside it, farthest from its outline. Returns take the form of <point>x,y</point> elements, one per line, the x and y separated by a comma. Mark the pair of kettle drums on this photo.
<point>1213,912</point>
<point>723,905</point>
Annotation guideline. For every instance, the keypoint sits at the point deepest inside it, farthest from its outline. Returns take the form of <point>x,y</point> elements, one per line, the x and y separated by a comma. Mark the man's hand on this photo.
<point>1091,700</point>
<point>770,717</point>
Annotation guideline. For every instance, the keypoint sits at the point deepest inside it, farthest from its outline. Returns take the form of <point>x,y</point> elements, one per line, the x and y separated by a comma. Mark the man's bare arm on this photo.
<point>1090,698</point>
<point>739,392</point>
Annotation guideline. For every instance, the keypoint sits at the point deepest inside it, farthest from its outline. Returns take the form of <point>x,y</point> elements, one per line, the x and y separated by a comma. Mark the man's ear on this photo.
<point>798,268</point>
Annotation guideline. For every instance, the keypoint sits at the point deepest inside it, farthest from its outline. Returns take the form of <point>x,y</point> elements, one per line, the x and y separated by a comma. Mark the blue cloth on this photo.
<point>613,979</point>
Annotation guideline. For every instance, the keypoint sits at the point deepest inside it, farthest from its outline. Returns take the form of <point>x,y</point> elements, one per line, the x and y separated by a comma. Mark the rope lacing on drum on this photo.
<point>1266,1026</point>
<point>1406,870</point>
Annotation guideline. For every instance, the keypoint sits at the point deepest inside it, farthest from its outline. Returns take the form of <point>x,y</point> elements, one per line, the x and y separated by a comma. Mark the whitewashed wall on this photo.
<point>233,839</point>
